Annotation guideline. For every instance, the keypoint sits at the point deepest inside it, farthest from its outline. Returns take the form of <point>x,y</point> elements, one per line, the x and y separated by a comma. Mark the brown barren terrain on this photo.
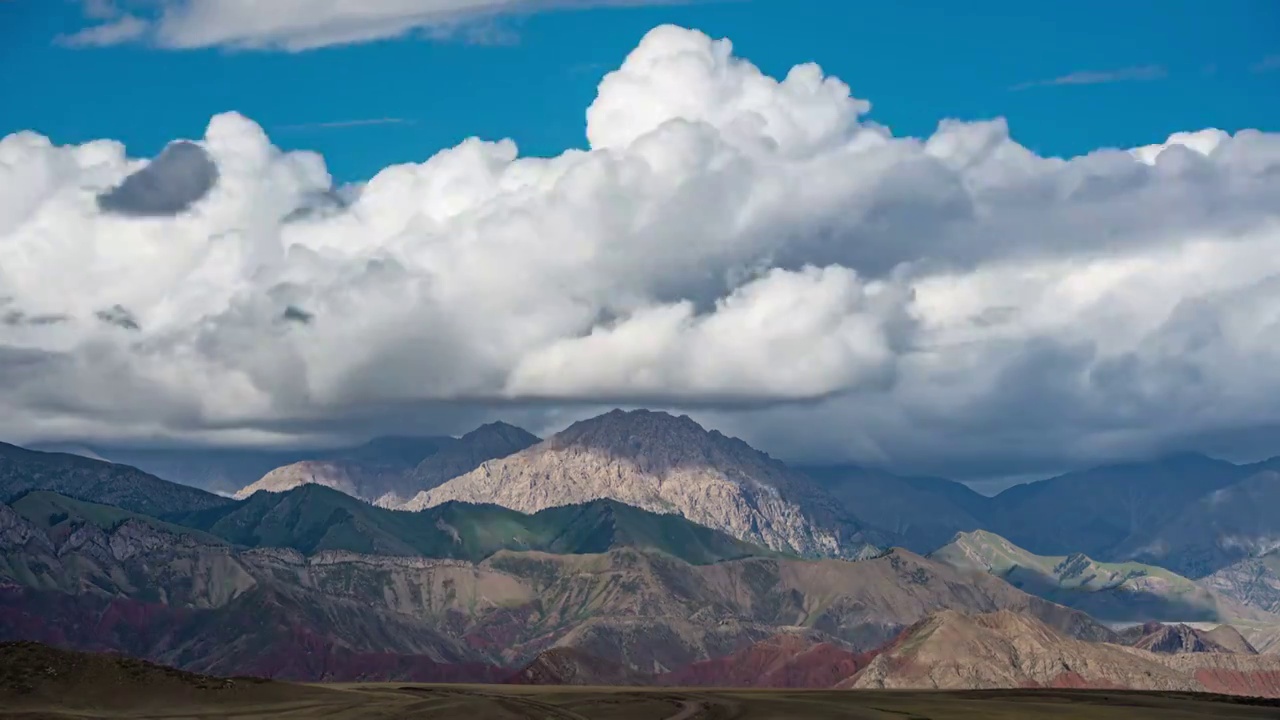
<point>37,681</point>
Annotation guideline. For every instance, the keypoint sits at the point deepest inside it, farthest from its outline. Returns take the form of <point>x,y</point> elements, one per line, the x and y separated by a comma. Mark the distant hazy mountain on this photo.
<point>951,650</point>
<point>1223,526</point>
<point>1115,592</point>
<point>217,470</point>
<point>228,470</point>
<point>22,471</point>
<point>367,471</point>
<point>487,442</point>
<point>922,514</point>
<point>387,471</point>
<point>1095,511</point>
<point>667,464</point>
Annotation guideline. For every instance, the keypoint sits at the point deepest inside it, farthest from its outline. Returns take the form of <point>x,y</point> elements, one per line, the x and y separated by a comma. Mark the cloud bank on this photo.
<point>297,25</point>
<point>750,248</point>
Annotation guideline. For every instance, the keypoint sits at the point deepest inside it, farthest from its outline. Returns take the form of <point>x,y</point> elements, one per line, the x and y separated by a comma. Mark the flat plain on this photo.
<point>246,700</point>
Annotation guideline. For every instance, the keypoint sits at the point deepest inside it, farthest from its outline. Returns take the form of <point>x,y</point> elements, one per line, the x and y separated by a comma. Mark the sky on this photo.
<point>989,244</point>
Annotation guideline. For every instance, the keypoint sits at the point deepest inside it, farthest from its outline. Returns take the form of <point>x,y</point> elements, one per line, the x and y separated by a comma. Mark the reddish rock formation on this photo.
<point>782,661</point>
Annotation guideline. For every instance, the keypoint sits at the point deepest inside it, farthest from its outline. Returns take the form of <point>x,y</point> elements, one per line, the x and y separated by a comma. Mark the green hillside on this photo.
<point>312,518</point>
<point>1117,592</point>
<point>59,515</point>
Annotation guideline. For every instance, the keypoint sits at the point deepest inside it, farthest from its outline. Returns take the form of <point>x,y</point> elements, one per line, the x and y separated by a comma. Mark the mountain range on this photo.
<point>156,590</point>
<point>638,547</point>
<point>1191,514</point>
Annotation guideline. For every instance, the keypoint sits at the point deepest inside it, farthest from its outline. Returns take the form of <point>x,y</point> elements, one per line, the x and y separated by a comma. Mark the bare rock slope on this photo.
<point>667,464</point>
<point>1008,650</point>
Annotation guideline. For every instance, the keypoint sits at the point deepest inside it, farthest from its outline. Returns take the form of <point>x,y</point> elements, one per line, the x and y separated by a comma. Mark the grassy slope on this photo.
<point>1107,590</point>
<point>312,518</point>
<point>52,512</point>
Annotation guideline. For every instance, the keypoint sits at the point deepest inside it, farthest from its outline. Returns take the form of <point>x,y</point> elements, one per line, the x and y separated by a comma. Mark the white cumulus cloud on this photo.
<point>750,248</point>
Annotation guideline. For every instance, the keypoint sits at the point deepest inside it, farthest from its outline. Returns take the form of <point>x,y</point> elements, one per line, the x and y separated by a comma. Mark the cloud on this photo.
<point>119,30</point>
<point>1267,64</point>
<point>179,177</point>
<point>1091,77</point>
<point>297,25</point>
<point>750,249</point>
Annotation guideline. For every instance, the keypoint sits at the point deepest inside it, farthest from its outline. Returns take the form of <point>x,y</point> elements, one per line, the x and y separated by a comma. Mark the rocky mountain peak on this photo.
<point>665,464</point>
<point>499,431</point>
<point>656,441</point>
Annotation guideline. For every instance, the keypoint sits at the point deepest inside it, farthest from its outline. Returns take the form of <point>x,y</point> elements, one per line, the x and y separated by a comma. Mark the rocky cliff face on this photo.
<point>666,464</point>
<point>1253,581</point>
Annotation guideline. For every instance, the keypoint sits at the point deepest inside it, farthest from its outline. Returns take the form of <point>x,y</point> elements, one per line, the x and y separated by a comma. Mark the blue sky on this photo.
<point>1174,65</point>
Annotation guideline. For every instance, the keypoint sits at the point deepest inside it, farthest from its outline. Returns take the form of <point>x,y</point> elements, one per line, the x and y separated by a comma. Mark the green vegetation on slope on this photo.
<point>1125,591</point>
<point>312,518</point>
<point>58,514</point>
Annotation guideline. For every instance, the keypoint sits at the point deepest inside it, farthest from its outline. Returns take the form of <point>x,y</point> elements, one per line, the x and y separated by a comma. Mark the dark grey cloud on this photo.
<point>296,314</point>
<point>119,316</point>
<point>15,318</point>
<point>177,179</point>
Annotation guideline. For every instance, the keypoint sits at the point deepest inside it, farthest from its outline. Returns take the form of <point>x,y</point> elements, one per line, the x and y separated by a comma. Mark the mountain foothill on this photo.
<point>640,548</point>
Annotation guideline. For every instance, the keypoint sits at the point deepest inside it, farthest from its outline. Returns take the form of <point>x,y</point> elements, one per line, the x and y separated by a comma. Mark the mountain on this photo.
<point>386,471</point>
<point>1115,592</point>
<point>228,470</point>
<point>170,596</point>
<point>1179,638</point>
<point>379,467</point>
<point>1095,511</point>
<point>1224,526</point>
<point>648,610</point>
<point>60,516</point>
<point>313,518</point>
<point>666,464</point>
<point>217,470</point>
<point>1005,649</point>
<point>487,442</point>
<point>921,513</point>
<point>1254,581</point>
<point>23,470</point>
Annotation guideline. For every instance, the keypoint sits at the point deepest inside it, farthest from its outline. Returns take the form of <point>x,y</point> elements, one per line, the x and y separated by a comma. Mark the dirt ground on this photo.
<point>399,700</point>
